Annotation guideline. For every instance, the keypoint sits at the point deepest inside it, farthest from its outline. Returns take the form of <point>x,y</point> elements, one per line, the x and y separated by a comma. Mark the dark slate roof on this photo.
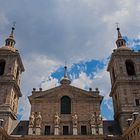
<point>111,127</point>
<point>21,128</point>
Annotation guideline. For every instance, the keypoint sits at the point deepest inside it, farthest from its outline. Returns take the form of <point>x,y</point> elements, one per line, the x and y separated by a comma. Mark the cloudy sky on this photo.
<point>80,32</point>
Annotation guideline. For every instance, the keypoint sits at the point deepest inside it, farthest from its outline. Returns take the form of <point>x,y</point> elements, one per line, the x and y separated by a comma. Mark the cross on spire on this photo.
<point>13,28</point>
<point>65,70</point>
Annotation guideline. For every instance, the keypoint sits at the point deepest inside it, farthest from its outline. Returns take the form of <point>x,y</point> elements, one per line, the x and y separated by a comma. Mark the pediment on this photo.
<point>61,90</point>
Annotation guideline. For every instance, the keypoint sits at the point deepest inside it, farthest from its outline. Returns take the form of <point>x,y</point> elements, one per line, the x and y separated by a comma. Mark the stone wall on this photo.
<point>3,134</point>
<point>65,138</point>
<point>83,103</point>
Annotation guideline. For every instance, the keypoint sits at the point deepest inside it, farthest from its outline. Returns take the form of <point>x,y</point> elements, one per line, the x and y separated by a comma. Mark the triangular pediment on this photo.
<point>67,90</point>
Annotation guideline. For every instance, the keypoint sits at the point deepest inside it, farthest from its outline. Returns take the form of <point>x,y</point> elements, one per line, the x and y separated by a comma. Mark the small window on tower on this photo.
<point>137,102</point>
<point>2,67</point>
<point>130,68</point>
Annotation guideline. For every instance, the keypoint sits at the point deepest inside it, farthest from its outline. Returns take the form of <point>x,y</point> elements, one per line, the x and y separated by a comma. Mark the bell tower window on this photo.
<point>2,67</point>
<point>65,105</point>
<point>130,68</point>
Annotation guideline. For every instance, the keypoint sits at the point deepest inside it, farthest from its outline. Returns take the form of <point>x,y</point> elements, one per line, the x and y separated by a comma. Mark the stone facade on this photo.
<point>83,105</point>
<point>67,112</point>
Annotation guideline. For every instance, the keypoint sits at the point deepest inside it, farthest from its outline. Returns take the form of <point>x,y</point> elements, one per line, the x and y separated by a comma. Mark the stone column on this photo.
<point>30,131</point>
<point>75,132</point>
<point>100,127</point>
<point>56,130</point>
<point>38,131</point>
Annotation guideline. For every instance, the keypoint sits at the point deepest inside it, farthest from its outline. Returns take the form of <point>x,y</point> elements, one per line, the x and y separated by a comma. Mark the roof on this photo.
<point>20,127</point>
<point>111,127</point>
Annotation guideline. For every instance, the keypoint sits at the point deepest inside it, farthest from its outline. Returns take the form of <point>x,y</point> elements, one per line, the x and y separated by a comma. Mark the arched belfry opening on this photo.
<point>130,67</point>
<point>65,105</point>
<point>2,67</point>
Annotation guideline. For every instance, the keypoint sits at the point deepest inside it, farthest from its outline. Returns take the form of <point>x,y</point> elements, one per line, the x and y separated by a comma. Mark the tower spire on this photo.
<point>10,41</point>
<point>65,79</point>
<point>120,41</point>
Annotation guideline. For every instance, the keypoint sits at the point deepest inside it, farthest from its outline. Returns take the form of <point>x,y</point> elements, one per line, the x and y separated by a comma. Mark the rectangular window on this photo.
<point>137,102</point>
<point>65,130</point>
<point>33,131</point>
<point>47,130</point>
<point>83,130</point>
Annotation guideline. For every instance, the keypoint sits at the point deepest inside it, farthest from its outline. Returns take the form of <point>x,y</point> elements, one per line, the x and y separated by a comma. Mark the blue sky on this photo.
<point>81,32</point>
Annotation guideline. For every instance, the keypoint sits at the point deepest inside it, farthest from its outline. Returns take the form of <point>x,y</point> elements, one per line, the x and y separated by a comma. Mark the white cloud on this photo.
<point>49,83</point>
<point>100,80</point>
<point>117,16</point>
<point>83,81</point>
<point>37,68</point>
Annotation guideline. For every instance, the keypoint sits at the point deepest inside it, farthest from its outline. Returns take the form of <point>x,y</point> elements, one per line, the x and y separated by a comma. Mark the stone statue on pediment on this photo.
<point>56,119</point>
<point>99,119</point>
<point>93,119</point>
<point>32,119</point>
<point>38,119</point>
<point>75,119</point>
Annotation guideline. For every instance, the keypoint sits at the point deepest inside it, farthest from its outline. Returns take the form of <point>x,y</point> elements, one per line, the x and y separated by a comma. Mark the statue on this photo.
<point>32,119</point>
<point>99,119</point>
<point>56,119</point>
<point>92,120</point>
<point>74,119</point>
<point>38,119</point>
<point>100,124</point>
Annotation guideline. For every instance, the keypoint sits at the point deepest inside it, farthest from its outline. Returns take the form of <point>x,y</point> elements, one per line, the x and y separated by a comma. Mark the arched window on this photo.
<point>2,67</point>
<point>65,105</point>
<point>130,67</point>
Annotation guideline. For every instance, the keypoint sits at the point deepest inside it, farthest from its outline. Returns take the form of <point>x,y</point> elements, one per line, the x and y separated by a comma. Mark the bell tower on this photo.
<point>11,68</point>
<point>124,69</point>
